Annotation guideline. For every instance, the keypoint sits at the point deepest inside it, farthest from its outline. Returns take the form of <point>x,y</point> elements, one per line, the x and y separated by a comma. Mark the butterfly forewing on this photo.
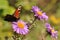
<point>17,12</point>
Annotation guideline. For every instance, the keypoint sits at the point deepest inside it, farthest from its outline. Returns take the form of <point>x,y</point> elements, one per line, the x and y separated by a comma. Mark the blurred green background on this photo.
<point>51,7</point>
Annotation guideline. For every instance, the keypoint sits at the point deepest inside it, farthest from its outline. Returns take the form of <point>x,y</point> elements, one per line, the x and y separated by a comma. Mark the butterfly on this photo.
<point>15,17</point>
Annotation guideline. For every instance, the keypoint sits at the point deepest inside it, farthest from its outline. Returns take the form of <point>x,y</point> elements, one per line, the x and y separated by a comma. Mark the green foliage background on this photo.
<point>51,7</point>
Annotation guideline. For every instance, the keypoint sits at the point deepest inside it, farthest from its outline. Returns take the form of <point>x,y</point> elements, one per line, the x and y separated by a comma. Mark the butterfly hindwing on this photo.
<point>10,18</point>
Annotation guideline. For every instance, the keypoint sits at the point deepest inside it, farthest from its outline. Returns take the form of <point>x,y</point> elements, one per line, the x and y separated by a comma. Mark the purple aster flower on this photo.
<point>38,13</point>
<point>54,34</point>
<point>20,27</point>
<point>51,30</point>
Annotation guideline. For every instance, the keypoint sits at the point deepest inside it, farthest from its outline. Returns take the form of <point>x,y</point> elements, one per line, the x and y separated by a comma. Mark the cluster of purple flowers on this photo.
<point>21,27</point>
<point>42,16</point>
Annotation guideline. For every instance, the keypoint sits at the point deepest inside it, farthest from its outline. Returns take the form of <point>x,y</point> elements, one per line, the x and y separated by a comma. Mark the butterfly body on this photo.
<point>15,17</point>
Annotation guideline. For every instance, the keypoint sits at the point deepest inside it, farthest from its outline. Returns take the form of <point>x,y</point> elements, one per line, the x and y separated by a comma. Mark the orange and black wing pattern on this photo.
<point>17,12</point>
<point>14,17</point>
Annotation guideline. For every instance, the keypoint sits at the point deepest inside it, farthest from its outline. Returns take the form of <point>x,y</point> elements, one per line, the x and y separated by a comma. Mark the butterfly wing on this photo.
<point>14,17</point>
<point>17,12</point>
<point>10,18</point>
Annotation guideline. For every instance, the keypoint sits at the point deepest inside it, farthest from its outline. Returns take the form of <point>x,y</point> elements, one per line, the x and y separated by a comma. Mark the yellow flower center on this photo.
<point>52,30</point>
<point>20,25</point>
<point>39,13</point>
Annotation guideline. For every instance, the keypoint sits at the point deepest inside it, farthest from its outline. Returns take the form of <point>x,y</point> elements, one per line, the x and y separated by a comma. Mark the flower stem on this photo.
<point>15,36</point>
<point>32,24</point>
<point>23,37</point>
<point>33,21</point>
